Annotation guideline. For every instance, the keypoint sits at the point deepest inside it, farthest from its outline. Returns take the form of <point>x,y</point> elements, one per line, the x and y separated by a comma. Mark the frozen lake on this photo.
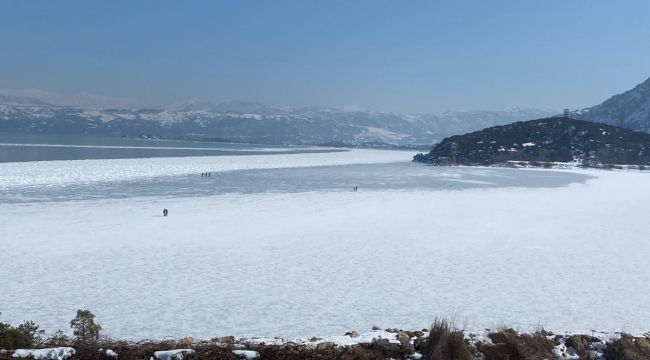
<point>17,147</point>
<point>277,244</point>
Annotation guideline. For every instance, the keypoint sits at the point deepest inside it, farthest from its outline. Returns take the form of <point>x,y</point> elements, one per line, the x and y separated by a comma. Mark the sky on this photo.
<point>396,56</point>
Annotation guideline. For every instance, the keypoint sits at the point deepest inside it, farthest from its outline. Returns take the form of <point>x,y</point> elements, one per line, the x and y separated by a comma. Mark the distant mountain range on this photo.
<point>258,123</point>
<point>251,122</point>
<point>556,139</point>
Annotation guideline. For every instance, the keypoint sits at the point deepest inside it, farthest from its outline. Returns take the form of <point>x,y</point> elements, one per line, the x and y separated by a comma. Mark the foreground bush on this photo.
<point>24,335</point>
<point>628,347</point>
<point>508,345</point>
<point>446,342</point>
<point>323,353</point>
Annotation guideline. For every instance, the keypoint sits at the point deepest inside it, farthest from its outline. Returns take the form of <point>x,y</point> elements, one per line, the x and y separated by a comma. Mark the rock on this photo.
<point>403,336</point>
<point>404,339</point>
<point>352,334</point>
<point>591,339</point>
<point>325,345</point>
<point>185,342</point>
<point>420,343</point>
<point>376,327</point>
<point>314,339</point>
<point>384,346</point>
<point>226,340</point>
<point>643,343</point>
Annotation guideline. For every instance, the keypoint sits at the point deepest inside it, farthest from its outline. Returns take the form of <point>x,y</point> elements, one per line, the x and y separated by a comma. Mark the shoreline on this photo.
<point>377,343</point>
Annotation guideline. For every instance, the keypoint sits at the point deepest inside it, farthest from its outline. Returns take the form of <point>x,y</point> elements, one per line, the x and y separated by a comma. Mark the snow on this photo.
<point>338,340</point>
<point>252,116</point>
<point>247,354</point>
<point>57,353</point>
<point>60,173</point>
<point>97,113</point>
<point>567,255</point>
<point>363,338</point>
<point>381,134</point>
<point>176,354</point>
<point>111,353</point>
<point>164,117</point>
<point>561,351</point>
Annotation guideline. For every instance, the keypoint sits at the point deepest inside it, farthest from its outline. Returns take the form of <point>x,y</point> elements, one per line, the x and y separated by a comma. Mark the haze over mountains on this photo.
<point>258,123</point>
<point>251,122</point>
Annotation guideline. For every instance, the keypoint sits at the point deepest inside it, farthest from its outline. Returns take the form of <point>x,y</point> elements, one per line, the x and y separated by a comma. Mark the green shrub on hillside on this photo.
<point>24,335</point>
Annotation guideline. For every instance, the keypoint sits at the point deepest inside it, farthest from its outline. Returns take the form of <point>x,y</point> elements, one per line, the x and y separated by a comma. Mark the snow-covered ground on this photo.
<point>61,173</point>
<point>565,249</point>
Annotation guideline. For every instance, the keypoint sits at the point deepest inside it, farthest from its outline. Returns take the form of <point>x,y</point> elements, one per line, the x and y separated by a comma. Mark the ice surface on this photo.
<point>393,176</point>
<point>73,172</point>
<point>565,249</point>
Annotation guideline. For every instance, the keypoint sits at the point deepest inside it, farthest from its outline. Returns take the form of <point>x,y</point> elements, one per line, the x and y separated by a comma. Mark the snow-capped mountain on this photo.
<point>252,122</point>
<point>630,109</point>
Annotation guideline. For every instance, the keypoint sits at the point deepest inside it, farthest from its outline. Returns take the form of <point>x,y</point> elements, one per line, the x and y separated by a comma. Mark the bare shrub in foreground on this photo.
<point>628,347</point>
<point>446,342</point>
<point>508,345</point>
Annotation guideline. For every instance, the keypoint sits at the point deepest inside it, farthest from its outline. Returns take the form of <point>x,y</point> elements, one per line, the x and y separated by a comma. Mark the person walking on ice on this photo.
<point>165,212</point>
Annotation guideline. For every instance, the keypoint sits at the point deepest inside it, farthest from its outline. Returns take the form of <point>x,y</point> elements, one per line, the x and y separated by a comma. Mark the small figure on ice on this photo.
<point>165,212</point>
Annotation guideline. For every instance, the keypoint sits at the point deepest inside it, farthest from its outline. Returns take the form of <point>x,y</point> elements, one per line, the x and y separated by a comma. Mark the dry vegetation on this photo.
<point>628,347</point>
<point>446,342</point>
<point>507,344</point>
<point>443,341</point>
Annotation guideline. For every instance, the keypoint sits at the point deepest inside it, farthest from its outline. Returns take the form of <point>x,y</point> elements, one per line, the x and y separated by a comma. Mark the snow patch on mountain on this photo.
<point>252,122</point>
<point>631,109</point>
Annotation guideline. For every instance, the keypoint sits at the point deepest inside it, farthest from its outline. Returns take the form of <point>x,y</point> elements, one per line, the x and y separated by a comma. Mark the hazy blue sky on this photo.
<point>403,56</point>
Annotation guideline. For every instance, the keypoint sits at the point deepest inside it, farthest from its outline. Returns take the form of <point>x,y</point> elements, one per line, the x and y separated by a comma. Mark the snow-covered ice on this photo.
<point>565,249</point>
<point>59,173</point>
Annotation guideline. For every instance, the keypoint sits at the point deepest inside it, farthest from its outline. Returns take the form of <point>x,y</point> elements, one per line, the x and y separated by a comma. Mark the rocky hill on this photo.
<point>251,122</point>
<point>630,109</point>
<point>555,139</point>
